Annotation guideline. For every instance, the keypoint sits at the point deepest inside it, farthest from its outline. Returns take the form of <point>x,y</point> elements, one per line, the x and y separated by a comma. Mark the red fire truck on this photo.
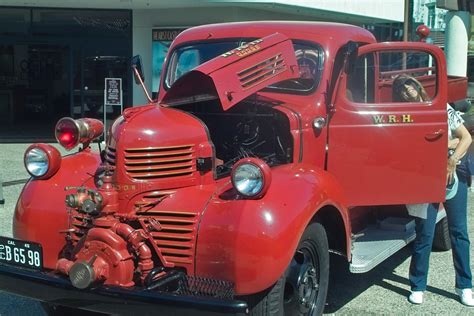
<point>270,146</point>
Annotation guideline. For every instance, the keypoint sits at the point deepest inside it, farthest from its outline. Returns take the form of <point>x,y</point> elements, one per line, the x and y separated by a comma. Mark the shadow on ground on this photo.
<point>345,286</point>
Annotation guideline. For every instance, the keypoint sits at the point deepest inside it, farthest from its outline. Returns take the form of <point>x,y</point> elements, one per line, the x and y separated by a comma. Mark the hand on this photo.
<point>452,162</point>
<point>453,143</point>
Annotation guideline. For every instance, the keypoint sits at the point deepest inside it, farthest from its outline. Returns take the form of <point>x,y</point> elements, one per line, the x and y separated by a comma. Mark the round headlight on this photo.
<point>251,177</point>
<point>42,161</point>
<point>36,162</point>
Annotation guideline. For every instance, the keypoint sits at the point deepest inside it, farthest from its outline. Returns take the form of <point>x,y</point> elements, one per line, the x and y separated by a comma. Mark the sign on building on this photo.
<point>113,92</point>
<point>113,96</point>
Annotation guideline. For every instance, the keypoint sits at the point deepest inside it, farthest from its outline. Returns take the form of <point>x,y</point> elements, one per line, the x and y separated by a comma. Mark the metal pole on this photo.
<point>2,200</point>
<point>105,109</point>
<point>406,19</point>
<point>405,30</point>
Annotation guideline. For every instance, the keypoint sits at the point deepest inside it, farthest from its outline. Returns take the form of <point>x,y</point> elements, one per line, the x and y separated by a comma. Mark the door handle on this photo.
<point>436,135</point>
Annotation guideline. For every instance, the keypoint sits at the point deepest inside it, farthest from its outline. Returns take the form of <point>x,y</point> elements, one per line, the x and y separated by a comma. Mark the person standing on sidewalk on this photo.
<point>408,89</point>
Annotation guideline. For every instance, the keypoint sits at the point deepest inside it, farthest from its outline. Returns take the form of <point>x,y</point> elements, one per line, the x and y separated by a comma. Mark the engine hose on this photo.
<point>171,280</point>
<point>150,278</point>
<point>134,237</point>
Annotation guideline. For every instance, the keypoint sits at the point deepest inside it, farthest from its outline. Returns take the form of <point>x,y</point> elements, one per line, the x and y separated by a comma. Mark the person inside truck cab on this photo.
<point>408,89</point>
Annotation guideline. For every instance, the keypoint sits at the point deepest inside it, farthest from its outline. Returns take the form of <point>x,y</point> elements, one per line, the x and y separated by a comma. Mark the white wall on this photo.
<point>384,9</point>
<point>392,10</point>
<point>142,45</point>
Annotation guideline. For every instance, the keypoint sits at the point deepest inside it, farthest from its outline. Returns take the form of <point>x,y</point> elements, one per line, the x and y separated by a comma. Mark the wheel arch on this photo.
<point>252,242</point>
<point>337,228</point>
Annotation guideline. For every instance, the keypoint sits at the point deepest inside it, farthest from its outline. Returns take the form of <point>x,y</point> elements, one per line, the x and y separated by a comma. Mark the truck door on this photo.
<point>382,151</point>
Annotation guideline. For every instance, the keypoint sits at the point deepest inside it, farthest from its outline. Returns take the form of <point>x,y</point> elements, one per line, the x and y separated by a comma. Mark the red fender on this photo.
<point>251,242</point>
<point>40,213</point>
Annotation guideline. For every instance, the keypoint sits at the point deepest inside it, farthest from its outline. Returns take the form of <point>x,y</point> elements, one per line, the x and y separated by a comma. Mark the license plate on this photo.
<point>21,253</point>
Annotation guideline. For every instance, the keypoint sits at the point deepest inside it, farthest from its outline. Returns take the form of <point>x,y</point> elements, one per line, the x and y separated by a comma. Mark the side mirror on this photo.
<point>351,54</point>
<point>137,69</point>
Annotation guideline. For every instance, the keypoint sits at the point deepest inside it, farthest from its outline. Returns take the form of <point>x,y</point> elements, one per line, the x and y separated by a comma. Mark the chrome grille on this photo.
<point>262,71</point>
<point>160,162</point>
<point>176,237</point>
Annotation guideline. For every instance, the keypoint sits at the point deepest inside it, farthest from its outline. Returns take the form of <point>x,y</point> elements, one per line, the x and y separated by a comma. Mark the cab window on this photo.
<point>308,55</point>
<point>187,57</point>
<point>385,77</point>
<point>310,63</point>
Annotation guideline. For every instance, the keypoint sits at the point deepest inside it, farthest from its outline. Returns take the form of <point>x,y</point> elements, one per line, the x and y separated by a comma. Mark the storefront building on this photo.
<point>53,63</point>
<point>55,55</point>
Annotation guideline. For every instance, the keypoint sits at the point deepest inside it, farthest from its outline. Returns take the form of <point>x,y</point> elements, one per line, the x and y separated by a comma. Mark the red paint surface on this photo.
<point>382,164</point>
<point>41,215</point>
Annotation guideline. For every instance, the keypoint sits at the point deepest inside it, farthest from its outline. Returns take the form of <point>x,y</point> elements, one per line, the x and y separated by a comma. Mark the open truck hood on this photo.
<point>237,74</point>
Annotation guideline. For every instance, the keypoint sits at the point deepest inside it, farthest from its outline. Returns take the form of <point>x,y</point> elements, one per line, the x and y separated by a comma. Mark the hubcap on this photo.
<point>302,282</point>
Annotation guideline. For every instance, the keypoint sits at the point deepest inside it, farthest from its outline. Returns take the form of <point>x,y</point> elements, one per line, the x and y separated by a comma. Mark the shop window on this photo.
<point>14,21</point>
<point>7,68</point>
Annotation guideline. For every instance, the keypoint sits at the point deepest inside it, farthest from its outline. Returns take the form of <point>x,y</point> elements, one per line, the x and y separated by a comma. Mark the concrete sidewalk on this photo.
<point>11,169</point>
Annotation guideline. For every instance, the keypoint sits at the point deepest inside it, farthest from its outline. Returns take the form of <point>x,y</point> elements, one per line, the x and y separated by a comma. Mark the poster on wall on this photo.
<point>113,91</point>
<point>162,39</point>
<point>113,97</point>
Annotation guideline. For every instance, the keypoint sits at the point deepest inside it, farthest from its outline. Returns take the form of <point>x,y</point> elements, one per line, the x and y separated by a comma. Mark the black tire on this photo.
<point>462,105</point>
<point>469,121</point>
<point>302,289</point>
<point>442,241</point>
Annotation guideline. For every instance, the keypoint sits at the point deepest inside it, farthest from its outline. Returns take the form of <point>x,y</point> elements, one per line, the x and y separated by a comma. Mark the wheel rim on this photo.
<point>302,281</point>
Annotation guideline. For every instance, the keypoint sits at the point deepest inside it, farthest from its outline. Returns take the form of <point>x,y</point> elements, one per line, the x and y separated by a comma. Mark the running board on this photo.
<point>378,242</point>
<point>374,244</point>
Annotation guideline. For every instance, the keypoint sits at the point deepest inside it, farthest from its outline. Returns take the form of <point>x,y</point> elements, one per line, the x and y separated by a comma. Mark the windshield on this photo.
<point>309,56</point>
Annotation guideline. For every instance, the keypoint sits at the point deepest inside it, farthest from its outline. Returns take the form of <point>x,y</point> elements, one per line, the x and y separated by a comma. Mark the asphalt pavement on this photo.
<point>382,291</point>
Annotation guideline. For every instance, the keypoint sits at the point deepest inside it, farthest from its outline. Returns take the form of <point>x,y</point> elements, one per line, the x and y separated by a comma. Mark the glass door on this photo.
<point>89,85</point>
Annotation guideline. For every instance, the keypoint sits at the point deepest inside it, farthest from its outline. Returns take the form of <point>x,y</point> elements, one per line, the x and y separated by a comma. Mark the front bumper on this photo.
<point>57,290</point>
